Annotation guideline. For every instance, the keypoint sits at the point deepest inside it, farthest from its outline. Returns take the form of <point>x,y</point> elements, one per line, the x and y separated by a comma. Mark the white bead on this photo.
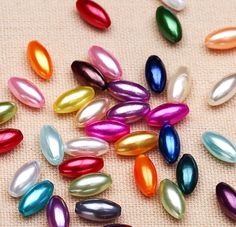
<point>177,5</point>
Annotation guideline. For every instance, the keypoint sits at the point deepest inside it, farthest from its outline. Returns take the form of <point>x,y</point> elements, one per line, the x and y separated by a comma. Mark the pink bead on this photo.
<point>105,62</point>
<point>107,130</point>
<point>168,113</point>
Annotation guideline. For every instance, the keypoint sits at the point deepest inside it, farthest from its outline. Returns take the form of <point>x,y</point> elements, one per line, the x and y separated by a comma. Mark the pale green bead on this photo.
<point>7,111</point>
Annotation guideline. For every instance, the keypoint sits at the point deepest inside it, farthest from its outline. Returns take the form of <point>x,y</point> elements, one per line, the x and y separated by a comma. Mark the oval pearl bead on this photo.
<point>40,59</point>
<point>226,197</point>
<point>169,143</point>
<point>219,146</point>
<point>51,145</point>
<point>107,130</point>
<point>100,210</point>
<point>145,175</point>
<point>179,85</point>
<point>155,73</point>
<point>93,111</point>
<point>128,112</point>
<point>90,184</point>
<point>222,91</point>
<point>105,62</point>
<point>124,90</point>
<point>79,166</point>
<point>187,174</point>
<point>73,99</point>
<point>24,178</point>
<point>136,143</point>
<point>117,225</point>
<point>26,92</point>
<point>172,199</point>
<point>36,198</point>
<point>168,24</point>
<point>7,111</point>
<point>93,14</point>
<point>177,5</point>
<point>86,146</point>
<point>57,212</point>
<point>221,39</point>
<point>88,74</point>
<point>9,139</point>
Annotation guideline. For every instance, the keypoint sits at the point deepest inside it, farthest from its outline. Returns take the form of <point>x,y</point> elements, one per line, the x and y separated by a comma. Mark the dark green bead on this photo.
<point>187,174</point>
<point>168,24</point>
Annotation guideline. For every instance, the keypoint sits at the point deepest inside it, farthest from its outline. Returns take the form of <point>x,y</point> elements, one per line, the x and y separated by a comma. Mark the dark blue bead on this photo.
<point>169,143</point>
<point>155,74</point>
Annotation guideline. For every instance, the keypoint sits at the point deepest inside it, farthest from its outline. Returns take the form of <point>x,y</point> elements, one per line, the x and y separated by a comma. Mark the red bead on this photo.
<point>93,14</point>
<point>9,139</point>
<point>76,167</point>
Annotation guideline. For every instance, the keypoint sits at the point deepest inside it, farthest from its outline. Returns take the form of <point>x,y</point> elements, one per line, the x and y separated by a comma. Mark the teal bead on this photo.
<point>36,198</point>
<point>168,24</point>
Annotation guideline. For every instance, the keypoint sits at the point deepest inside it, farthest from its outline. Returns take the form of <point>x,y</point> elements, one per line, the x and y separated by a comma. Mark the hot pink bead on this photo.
<point>168,113</point>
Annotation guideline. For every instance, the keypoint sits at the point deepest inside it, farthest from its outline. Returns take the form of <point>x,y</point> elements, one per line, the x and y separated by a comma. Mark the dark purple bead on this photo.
<point>117,225</point>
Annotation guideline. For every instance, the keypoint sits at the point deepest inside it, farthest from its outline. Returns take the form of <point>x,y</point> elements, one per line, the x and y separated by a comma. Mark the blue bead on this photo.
<point>169,143</point>
<point>155,74</point>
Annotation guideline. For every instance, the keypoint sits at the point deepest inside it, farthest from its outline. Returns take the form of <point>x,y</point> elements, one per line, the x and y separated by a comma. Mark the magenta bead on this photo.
<point>107,130</point>
<point>168,113</point>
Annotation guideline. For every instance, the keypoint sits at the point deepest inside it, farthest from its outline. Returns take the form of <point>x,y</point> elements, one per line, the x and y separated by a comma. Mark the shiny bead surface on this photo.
<point>145,175</point>
<point>26,92</point>
<point>7,111</point>
<point>40,59</point>
<point>219,146</point>
<point>168,24</point>
<point>24,178</point>
<point>90,184</point>
<point>73,99</point>
<point>79,166</point>
<point>36,198</point>
<point>172,199</point>
<point>177,5</point>
<point>136,143</point>
<point>99,210</point>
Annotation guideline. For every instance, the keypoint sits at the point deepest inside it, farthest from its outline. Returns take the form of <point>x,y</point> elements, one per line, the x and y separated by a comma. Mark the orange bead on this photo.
<point>40,60</point>
<point>145,175</point>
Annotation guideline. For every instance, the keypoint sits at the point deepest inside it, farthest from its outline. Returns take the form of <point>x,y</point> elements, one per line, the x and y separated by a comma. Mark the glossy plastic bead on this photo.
<point>36,198</point>
<point>93,14</point>
<point>177,5</point>
<point>86,146</point>
<point>90,184</point>
<point>187,174</point>
<point>24,178</point>
<point>124,90</point>
<point>172,199</point>
<point>93,111</point>
<point>40,59</point>
<point>105,62</point>
<point>51,145</point>
<point>168,24</point>
<point>73,99</point>
<point>107,130</point>
<point>9,139</point>
<point>155,73</point>
<point>222,91</point>
<point>168,113</point>
<point>57,212</point>
<point>7,111</point>
<point>88,74</point>
<point>128,112</point>
<point>26,92</point>
<point>136,143</point>
<point>219,146</point>
<point>145,175</point>
<point>79,166</point>
<point>99,210</point>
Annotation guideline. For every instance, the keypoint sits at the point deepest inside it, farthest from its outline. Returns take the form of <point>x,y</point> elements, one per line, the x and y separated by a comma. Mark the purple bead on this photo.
<point>57,212</point>
<point>168,113</point>
<point>128,112</point>
<point>107,130</point>
<point>226,197</point>
<point>124,90</point>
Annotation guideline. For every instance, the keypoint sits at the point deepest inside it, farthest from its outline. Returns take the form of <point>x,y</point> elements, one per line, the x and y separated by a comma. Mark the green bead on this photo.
<point>7,111</point>
<point>168,24</point>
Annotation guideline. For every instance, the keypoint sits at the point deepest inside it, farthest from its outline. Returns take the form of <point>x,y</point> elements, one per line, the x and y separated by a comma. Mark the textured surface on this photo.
<point>133,36</point>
